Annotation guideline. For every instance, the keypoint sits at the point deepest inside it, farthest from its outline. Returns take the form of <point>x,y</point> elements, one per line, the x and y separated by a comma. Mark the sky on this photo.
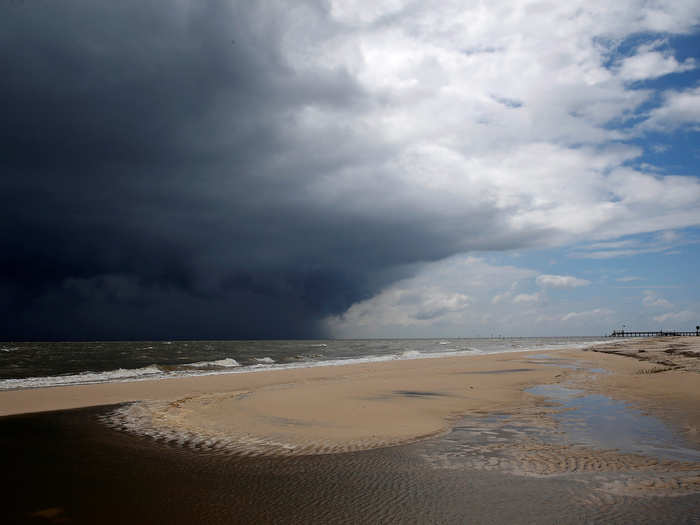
<point>270,169</point>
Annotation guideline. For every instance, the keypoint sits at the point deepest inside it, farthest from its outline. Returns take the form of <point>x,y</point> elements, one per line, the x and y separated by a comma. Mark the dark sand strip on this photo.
<point>66,467</point>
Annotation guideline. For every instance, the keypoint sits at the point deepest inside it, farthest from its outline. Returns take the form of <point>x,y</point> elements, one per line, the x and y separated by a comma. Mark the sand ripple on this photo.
<point>516,447</point>
<point>167,422</point>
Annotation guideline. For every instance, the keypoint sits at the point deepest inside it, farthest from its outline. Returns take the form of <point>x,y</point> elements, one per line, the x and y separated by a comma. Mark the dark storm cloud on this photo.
<point>154,183</point>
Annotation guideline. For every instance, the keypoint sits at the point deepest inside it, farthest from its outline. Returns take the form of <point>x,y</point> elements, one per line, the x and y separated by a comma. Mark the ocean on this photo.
<point>42,364</point>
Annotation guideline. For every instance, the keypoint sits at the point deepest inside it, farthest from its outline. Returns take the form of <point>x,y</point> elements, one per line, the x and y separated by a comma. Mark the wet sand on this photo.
<point>474,445</point>
<point>66,467</point>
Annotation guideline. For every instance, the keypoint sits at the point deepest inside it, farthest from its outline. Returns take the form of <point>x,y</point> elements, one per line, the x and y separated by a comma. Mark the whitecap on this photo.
<point>120,374</point>
<point>231,366</point>
<point>228,362</point>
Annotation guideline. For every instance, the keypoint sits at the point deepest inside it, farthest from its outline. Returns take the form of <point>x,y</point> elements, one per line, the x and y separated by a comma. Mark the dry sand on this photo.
<point>361,406</point>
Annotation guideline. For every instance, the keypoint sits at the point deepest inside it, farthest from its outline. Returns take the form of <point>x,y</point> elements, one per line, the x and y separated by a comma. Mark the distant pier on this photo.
<point>624,333</point>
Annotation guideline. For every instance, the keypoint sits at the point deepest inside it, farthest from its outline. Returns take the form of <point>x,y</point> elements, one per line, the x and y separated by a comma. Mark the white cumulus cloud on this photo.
<point>679,108</point>
<point>651,300</point>
<point>650,63</point>
<point>684,315</point>
<point>561,281</point>
<point>448,296</point>
<point>597,312</point>
<point>527,298</point>
<point>495,114</point>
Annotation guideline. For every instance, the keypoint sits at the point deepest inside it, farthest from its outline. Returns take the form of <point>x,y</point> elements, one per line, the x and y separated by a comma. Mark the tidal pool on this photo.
<point>598,421</point>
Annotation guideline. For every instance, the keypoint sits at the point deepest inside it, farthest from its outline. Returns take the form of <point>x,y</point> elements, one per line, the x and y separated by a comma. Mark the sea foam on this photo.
<point>119,374</point>
<point>228,362</point>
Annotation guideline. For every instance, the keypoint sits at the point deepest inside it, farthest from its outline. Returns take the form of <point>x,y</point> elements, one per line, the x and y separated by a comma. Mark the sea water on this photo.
<point>41,364</point>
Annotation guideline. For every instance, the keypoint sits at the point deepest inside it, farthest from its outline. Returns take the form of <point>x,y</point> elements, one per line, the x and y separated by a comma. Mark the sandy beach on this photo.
<point>361,406</point>
<point>524,437</point>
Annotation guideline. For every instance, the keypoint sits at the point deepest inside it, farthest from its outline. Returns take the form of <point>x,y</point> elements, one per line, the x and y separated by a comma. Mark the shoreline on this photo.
<point>229,365</point>
<point>62,397</point>
<point>361,406</point>
<point>477,442</point>
<point>120,394</point>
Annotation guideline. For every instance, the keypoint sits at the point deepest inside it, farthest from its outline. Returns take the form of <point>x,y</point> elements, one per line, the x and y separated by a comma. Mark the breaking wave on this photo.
<point>228,362</point>
<point>229,365</point>
<point>120,374</point>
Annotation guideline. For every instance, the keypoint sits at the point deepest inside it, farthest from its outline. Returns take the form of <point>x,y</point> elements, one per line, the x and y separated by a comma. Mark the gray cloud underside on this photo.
<point>168,172</point>
<point>155,186</point>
